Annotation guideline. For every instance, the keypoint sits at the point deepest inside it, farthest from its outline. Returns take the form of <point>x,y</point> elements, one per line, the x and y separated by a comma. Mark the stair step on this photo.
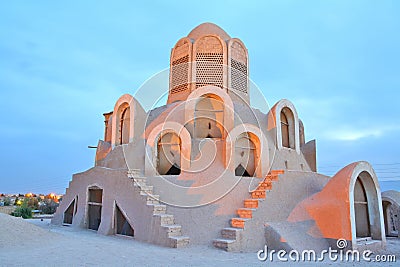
<point>272,177</point>
<point>173,230</point>
<point>146,189</point>
<point>158,208</point>
<point>238,222</point>
<point>245,212</point>
<point>223,243</point>
<point>165,219</point>
<point>152,199</point>
<point>251,203</point>
<point>277,172</point>
<point>258,194</point>
<point>179,241</point>
<point>133,173</point>
<point>139,181</point>
<point>230,232</point>
<point>265,186</point>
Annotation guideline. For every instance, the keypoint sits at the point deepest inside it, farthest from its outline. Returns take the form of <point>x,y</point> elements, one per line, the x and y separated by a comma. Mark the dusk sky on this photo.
<point>64,63</point>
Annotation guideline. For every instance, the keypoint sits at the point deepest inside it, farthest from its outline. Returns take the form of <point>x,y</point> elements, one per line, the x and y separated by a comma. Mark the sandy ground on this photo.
<point>37,243</point>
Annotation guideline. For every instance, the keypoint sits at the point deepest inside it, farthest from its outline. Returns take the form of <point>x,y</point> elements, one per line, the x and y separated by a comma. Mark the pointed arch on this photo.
<point>210,58</point>
<point>217,101</point>
<point>174,135</point>
<point>169,154</point>
<point>286,122</point>
<point>238,71</point>
<point>127,120</point>
<point>366,212</point>
<point>253,136</point>
<point>180,70</point>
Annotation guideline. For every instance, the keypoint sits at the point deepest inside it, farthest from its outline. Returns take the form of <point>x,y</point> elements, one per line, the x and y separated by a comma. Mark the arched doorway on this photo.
<point>209,116</point>
<point>287,128</point>
<point>390,217</point>
<point>245,155</point>
<point>169,154</point>
<point>367,211</point>
<point>361,210</point>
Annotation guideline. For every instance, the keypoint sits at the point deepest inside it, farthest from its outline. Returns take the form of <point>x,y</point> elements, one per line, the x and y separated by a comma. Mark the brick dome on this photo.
<point>208,28</point>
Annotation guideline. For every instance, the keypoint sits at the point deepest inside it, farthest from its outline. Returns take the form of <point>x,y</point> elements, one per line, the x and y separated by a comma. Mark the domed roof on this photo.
<point>208,28</point>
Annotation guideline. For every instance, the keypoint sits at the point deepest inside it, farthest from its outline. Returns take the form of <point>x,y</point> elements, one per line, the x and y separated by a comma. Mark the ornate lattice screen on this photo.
<point>238,68</point>
<point>209,62</point>
<point>180,69</point>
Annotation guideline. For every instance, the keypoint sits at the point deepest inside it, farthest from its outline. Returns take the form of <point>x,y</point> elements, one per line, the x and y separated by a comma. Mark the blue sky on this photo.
<point>64,63</point>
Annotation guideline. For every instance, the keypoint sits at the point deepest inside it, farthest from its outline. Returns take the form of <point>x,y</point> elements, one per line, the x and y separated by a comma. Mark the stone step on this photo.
<point>231,233</point>
<point>146,189</point>
<point>225,244</point>
<point>265,186</point>
<point>179,241</point>
<point>238,222</point>
<point>158,208</point>
<point>245,213</point>
<point>152,199</point>
<point>173,230</point>
<point>251,203</point>
<point>165,219</point>
<point>133,173</point>
<point>272,177</point>
<point>256,194</point>
<point>141,181</point>
<point>276,172</point>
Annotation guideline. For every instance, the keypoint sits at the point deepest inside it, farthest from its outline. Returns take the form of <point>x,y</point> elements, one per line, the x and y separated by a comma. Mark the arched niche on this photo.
<point>163,139</point>
<point>220,110</point>
<point>247,145</point>
<point>246,154</point>
<point>169,154</point>
<point>209,117</point>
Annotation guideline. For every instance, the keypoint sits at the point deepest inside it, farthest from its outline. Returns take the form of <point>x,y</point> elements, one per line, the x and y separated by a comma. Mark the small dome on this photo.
<point>208,28</point>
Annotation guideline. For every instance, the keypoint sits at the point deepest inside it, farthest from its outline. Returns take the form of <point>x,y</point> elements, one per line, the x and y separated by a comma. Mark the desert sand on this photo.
<point>38,243</point>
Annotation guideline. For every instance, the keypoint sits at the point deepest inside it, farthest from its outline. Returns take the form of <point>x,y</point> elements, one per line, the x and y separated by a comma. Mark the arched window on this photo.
<point>122,124</point>
<point>245,156</point>
<point>209,116</point>
<point>209,62</point>
<point>238,67</point>
<point>169,154</point>
<point>361,210</point>
<point>287,128</point>
<point>124,128</point>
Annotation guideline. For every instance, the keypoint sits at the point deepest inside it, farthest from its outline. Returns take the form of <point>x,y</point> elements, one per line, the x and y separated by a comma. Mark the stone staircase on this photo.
<point>172,231</point>
<point>232,235</point>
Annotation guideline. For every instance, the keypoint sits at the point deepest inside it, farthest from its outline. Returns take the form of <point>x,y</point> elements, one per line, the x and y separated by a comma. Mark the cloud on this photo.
<point>354,134</point>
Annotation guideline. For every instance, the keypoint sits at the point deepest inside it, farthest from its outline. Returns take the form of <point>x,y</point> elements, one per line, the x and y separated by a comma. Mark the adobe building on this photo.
<point>207,168</point>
